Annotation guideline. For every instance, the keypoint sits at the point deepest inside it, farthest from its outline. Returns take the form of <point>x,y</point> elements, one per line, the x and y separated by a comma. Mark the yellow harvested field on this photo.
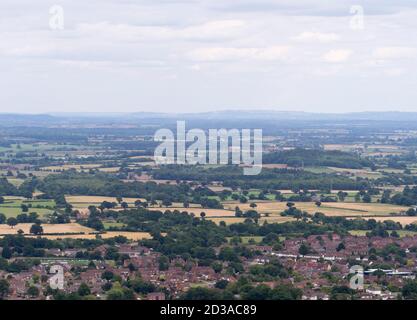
<point>71,228</point>
<point>379,154</point>
<point>71,166</point>
<point>13,198</point>
<point>274,166</point>
<point>383,147</point>
<point>276,219</point>
<point>328,208</point>
<point>363,173</point>
<point>146,178</point>
<point>141,157</point>
<point>271,219</point>
<point>367,208</point>
<point>109,170</point>
<point>47,228</point>
<point>400,188</point>
<point>227,220</point>
<point>180,205</point>
<point>342,147</point>
<point>403,220</point>
<point>135,236</point>
<point>219,188</point>
<point>127,234</point>
<point>197,211</point>
<point>76,200</point>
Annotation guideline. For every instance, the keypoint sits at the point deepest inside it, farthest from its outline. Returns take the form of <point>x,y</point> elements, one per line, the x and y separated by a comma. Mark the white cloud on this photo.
<point>228,53</point>
<point>387,53</point>
<point>214,29</point>
<point>211,30</point>
<point>395,72</point>
<point>336,56</point>
<point>317,37</point>
<point>320,8</point>
<point>281,47</point>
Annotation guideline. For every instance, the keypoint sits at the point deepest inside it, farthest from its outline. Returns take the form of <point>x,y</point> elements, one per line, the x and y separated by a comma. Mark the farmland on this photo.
<point>134,236</point>
<point>70,231</point>
<point>270,219</point>
<point>401,233</point>
<point>330,209</point>
<point>12,206</point>
<point>86,201</point>
<point>402,220</point>
<point>187,150</point>
<point>102,204</point>
<point>197,211</point>
<point>47,228</point>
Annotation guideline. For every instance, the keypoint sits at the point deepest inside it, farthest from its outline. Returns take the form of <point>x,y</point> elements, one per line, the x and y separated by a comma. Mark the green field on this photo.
<point>402,233</point>
<point>245,240</point>
<point>287,193</point>
<point>12,206</point>
<point>108,225</point>
<point>15,181</point>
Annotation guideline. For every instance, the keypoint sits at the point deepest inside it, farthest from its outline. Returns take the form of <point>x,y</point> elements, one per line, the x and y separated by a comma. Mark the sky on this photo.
<point>207,55</point>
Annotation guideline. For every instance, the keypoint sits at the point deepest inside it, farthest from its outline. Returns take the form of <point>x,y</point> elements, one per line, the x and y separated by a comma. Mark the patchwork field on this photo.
<point>370,150</point>
<point>247,240</point>
<point>288,193</point>
<point>69,228</point>
<point>135,236</point>
<point>109,169</point>
<point>197,211</point>
<point>401,233</point>
<point>329,208</point>
<point>271,219</point>
<point>227,220</point>
<point>85,201</point>
<point>219,188</point>
<point>363,173</point>
<point>343,147</point>
<point>130,235</point>
<point>15,181</point>
<point>108,224</point>
<point>274,166</point>
<point>47,228</point>
<point>403,220</point>
<point>71,166</point>
<point>12,206</point>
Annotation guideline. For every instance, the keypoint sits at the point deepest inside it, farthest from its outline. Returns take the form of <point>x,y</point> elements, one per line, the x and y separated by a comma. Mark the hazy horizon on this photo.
<point>259,112</point>
<point>205,56</point>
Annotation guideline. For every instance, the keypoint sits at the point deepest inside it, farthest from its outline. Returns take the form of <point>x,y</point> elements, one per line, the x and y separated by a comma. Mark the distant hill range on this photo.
<point>9,119</point>
<point>255,114</point>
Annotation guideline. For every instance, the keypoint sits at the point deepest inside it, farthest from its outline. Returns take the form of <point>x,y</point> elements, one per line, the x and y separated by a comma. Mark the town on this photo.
<point>89,215</point>
<point>313,268</point>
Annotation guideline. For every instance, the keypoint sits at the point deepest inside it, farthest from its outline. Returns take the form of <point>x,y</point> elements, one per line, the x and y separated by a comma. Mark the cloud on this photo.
<point>314,8</point>
<point>317,37</point>
<point>234,54</point>
<point>395,72</point>
<point>282,47</point>
<point>337,56</point>
<point>388,53</point>
<point>210,30</point>
<point>214,29</point>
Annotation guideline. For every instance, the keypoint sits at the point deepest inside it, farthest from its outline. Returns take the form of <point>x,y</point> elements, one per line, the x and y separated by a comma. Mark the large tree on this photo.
<point>12,222</point>
<point>4,288</point>
<point>36,229</point>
